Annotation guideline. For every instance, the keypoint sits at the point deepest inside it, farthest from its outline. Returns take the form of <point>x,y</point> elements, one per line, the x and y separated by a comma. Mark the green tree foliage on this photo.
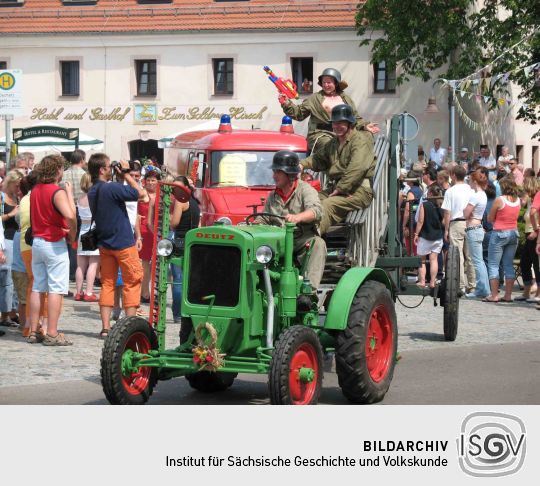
<point>460,36</point>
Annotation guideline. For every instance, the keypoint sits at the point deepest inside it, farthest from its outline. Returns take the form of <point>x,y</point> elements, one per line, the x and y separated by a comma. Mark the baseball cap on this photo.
<point>464,149</point>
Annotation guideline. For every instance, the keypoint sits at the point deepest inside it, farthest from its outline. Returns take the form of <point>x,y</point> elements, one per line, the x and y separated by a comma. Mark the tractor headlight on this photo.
<point>224,220</point>
<point>165,247</point>
<point>264,254</point>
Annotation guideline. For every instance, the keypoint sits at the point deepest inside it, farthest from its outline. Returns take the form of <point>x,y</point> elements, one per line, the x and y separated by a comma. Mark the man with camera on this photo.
<point>115,239</point>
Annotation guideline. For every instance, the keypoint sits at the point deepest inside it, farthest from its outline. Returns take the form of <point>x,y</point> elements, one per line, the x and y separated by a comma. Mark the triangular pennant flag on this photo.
<point>475,82</point>
<point>528,70</point>
<point>505,77</point>
<point>467,84</point>
<point>487,83</point>
<point>486,99</point>
<point>525,106</point>
<point>501,101</point>
<point>493,80</point>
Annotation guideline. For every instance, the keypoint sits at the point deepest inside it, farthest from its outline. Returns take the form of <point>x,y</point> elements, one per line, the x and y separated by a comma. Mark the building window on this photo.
<point>146,77</point>
<point>3,65</point>
<point>69,71</point>
<point>384,78</point>
<point>79,2</point>
<point>11,3</point>
<point>519,153</point>
<point>223,76</point>
<point>302,74</point>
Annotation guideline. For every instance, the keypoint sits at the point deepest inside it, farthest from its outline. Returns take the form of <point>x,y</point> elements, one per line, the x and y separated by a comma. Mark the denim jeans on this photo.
<point>502,248</point>
<point>176,291</point>
<point>475,238</point>
<point>6,282</point>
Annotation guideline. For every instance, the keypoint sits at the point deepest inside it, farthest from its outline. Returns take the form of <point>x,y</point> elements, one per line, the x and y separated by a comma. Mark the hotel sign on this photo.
<point>144,113</point>
<point>33,132</point>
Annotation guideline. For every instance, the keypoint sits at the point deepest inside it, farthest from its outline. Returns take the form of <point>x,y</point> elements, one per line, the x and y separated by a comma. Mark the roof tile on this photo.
<point>113,16</point>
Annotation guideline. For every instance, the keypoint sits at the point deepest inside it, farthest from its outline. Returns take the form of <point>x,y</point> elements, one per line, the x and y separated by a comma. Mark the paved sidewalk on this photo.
<point>421,328</point>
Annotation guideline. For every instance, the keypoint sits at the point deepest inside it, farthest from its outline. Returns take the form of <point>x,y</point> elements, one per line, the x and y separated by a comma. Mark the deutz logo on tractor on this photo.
<point>214,236</point>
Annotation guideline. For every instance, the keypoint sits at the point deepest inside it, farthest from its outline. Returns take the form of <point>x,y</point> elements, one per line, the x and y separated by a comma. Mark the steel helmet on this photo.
<point>334,73</point>
<point>343,113</point>
<point>286,161</point>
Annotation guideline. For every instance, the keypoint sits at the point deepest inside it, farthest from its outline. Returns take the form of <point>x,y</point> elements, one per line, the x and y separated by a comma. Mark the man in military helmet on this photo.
<point>298,203</point>
<point>349,160</point>
<point>319,107</point>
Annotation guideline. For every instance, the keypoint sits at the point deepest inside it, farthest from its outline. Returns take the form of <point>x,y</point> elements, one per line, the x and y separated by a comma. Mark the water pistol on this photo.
<point>285,86</point>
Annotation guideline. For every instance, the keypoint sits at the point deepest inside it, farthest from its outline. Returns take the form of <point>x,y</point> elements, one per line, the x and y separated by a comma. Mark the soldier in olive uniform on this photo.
<point>319,107</point>
<point>298,203</point>
<point>349,160</point>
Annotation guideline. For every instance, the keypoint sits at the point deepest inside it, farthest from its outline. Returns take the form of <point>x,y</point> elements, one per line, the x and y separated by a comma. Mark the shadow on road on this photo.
<point>425,336</point>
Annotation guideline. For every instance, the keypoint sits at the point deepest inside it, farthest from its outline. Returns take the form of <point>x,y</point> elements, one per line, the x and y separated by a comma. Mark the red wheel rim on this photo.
<point>304,357</point>
<point>136,383</point>
<point>379,343</point>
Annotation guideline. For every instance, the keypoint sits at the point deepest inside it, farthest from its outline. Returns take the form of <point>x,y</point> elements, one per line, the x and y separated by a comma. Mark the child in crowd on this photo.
<point>429,235</point>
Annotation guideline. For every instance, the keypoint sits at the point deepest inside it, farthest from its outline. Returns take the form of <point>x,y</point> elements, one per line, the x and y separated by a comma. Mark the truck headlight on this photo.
<point>264,254</point>
<point>164,247</point>
<point>224,220</point>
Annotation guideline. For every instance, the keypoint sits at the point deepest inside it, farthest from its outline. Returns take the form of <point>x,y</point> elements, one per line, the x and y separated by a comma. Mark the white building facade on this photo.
<point>122,87</point>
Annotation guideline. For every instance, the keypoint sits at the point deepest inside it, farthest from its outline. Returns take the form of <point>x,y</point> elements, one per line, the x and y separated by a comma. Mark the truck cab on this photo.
<point>230,168</point>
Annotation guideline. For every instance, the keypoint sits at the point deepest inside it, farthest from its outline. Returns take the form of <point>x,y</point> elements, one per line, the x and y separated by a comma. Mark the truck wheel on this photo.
<point>210,382</point>
<point>135,334</point>
<point>296,371</point>
<point>366,348</point>
<point>451,297</point>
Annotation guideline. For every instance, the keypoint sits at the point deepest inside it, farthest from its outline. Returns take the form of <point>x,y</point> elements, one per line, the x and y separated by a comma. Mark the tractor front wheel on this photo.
<point>210,382</point>
<point>296,371</point>
<point>127,386</point>
<point>366,348</point>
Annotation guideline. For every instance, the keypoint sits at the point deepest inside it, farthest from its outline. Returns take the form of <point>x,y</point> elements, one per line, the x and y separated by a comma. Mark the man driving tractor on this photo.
<point>297,202</point>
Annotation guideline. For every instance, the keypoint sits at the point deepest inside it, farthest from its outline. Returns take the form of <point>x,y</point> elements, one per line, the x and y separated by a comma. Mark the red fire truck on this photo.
<point>231,168</point>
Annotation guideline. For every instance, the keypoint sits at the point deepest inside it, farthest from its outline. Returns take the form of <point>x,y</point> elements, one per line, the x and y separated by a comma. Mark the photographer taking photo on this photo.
<point>116,241</point>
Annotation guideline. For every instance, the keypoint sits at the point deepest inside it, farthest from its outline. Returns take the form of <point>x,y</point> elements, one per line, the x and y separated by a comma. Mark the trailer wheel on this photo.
<point>134,388</point>
<point>366,348</point>
<point>451,294</point>
<point>296,370</point>
<point>210,382</point>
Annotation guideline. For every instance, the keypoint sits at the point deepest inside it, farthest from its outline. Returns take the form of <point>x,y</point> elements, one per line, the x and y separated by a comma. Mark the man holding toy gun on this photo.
<point>319,107</point>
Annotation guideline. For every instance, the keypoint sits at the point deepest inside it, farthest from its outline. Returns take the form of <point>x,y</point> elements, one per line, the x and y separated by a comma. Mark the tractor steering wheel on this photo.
<point>254,215</point>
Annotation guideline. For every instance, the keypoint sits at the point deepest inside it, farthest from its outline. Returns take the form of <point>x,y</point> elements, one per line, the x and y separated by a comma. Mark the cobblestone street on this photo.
<point>420,328</point>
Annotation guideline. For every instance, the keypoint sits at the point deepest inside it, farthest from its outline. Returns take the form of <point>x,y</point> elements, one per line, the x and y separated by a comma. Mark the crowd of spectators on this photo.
<point>45,211</point>
<point>474,203</point>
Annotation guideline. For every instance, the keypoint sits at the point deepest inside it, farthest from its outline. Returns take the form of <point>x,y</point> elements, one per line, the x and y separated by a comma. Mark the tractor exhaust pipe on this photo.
<point>270,315</point>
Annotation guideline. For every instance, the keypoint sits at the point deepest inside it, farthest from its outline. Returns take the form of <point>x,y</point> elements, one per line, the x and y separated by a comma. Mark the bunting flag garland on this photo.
<point>466,119</point>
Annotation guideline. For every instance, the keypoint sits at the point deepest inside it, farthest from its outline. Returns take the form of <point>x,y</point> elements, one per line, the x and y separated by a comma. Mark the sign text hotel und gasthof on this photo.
<point>147,113</point>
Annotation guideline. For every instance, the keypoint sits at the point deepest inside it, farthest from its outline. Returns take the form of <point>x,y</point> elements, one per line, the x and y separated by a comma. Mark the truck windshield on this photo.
<point>241,168</point>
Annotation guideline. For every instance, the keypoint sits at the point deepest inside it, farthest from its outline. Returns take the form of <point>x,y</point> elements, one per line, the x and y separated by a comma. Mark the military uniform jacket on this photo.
<point>313,106</point>
<point>348,167</point>
<point>304,197</point>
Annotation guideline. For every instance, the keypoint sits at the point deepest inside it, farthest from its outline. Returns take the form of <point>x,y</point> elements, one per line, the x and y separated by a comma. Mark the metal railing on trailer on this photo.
<point>368,226</point>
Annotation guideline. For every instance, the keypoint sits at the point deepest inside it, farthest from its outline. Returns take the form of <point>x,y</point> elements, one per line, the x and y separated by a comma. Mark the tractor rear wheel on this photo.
<point>451,297</point>
<point>210,382</point>
<point>366,348</point>
<point>296,371</point>
<point>134,387</point>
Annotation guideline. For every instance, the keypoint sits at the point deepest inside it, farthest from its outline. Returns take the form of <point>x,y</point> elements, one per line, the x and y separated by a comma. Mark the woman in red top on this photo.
<point>145,253</point>
<point>504,239</point>
<point>52,217</point>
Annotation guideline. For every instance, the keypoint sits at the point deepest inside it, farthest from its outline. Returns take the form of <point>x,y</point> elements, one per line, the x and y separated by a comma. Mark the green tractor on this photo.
<point>247,309</point>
